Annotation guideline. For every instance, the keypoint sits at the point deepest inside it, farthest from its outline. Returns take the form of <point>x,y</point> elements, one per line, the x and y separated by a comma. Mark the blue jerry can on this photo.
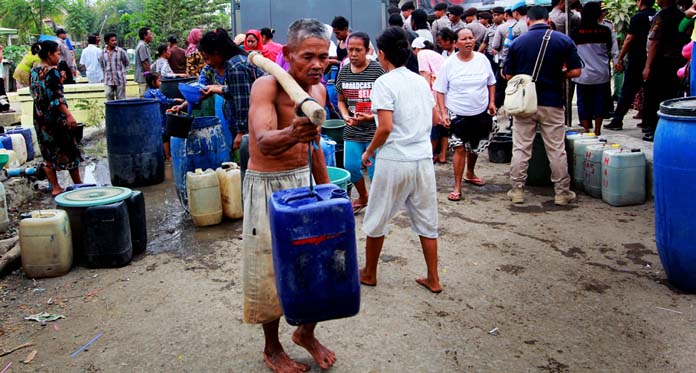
<point>314,254</point>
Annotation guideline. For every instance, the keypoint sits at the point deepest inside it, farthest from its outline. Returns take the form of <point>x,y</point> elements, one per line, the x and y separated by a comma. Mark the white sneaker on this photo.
<point>516,195</point>
<point>563,199</point>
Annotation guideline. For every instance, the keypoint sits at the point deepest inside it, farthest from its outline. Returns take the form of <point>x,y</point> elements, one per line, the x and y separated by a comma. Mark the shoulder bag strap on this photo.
<point>540,56</point>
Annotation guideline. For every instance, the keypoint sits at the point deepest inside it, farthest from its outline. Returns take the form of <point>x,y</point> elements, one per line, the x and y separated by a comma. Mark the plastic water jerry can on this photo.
<point>46,243</point>
<point>13,162</point>
<point>579,148</point>
<point>623,177</point>
<point>19,146</point>
<point>204,201</point>
<point>314,254</point>
<point>592,181</point>
<point>230,179</point>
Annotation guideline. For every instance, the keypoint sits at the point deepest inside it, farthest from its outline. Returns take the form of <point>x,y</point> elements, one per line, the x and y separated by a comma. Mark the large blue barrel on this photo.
<point>674,174</point>
<point>205,147</point>
<point>26,133</point>
<point>315,264</point>
<point>134,142</point>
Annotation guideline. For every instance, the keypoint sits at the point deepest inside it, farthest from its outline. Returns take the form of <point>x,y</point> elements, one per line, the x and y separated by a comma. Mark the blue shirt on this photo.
<point>560,52</point>
<point>165,103</point>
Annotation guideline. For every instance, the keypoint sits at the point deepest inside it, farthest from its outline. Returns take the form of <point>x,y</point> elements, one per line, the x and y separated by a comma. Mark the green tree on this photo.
<point>27,15</point>
<point>82,19</point>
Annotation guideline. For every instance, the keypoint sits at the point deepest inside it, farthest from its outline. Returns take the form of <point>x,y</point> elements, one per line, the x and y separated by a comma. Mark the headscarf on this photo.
<point>257,34</point>
<point>193,39</point>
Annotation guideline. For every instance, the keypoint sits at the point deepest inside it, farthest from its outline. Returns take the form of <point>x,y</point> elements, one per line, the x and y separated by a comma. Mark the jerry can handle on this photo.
<point>300,195</point>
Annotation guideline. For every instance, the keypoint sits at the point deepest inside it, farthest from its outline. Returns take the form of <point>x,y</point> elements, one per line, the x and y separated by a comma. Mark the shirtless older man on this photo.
<point>278,141</point>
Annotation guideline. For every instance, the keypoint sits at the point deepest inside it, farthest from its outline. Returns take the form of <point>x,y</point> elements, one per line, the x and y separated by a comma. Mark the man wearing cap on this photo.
<point>560,62</point>
<point>473,24</point>
<point>66,64</point>
<point>557,15</point>
<point>406,9</point>
<point>455,16</point>
<point>177,56</point>
<point>442,21</point>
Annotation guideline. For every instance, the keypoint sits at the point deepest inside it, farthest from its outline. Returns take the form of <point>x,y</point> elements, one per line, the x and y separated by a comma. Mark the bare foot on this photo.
<point>433,287</point>
<point>282,363</point>
<point>366,279</point>
<point>322,355</point>
<point>56,191</point>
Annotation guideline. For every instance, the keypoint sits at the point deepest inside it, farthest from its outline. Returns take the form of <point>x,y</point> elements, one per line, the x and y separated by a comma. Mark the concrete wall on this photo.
<point>364,15</point>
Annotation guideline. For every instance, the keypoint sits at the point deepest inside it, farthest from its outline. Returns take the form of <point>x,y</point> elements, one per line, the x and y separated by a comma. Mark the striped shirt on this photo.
<point>356,90</point>
<point>114,65</point>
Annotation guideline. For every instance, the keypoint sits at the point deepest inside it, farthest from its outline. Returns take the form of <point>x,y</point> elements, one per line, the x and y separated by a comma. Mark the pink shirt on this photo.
<point>430,62</point>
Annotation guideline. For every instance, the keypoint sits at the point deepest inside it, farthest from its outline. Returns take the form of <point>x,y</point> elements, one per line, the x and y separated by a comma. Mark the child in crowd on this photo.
<point>161,65</point>
<point>153,81</point>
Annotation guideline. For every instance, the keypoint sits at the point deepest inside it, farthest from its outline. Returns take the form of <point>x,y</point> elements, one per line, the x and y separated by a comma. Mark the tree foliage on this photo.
<point>620,13</point>
<point>26,15</point>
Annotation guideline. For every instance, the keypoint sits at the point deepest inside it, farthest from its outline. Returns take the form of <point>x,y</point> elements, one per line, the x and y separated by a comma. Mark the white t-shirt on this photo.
<point>408,96</point>
<point>465,84</point>
<point>90,58</point>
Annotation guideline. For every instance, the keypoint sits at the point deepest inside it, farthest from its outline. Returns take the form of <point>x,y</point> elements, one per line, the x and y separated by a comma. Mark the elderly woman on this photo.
<point>194,60</point>
<point>465,98</point>
<point>52,119</point>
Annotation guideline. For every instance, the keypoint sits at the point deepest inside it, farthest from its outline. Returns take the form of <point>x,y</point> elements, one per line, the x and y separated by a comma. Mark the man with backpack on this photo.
<point>560,52</point>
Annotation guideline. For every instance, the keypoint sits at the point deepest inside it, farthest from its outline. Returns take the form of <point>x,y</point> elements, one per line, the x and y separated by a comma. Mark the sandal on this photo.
<point>454,197</point>
<point>476,181</point>
<point>357,207</point>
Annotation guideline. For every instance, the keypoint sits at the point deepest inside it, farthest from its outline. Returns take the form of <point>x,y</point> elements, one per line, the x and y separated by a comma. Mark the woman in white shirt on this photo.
<point>404,173</point>
<point>419,24</point>
<point>465,99</point>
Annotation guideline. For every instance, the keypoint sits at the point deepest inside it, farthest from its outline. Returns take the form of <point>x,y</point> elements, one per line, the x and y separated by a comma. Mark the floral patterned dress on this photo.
<point>57,144</point>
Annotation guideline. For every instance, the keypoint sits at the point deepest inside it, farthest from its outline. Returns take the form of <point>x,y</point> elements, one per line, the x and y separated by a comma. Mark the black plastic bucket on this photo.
<point>500,148</point>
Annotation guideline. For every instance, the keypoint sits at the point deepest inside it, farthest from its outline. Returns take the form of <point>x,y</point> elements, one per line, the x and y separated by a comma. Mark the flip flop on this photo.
<point>476,181</point>
<point>454,197</point>
<point>357,207</point>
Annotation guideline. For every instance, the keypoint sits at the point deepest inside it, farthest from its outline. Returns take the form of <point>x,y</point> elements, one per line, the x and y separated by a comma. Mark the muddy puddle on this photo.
<point>169,227</point>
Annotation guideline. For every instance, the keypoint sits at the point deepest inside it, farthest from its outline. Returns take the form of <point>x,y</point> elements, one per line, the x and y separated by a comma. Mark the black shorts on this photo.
<point>472,130</point>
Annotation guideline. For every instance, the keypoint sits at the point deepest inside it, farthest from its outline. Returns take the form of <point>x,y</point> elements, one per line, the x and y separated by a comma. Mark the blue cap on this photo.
<point>518,5</point>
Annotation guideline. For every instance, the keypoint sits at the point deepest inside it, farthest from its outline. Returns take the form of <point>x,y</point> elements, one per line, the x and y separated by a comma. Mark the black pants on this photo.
<point>4,101</point>
<point>663,84</point>
<point>633,81</point>
<point>63,67</point>
<point>500,85</point>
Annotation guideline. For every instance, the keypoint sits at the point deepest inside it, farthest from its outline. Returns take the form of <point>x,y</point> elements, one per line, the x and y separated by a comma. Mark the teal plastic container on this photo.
<point>579,148</point>
<point>334,129</point>
<point>339,177</point>
<point>571,138</point>
<point>592,181</point>
<point>623,177</point>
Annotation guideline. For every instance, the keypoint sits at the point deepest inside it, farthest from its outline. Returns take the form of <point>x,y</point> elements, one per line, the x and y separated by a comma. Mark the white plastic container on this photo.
<point>19,146</point>
<point>13,162</point>
<point>46,243</point>
<point>4,219</point>
<point>205,203</point>
<point>230,179</point>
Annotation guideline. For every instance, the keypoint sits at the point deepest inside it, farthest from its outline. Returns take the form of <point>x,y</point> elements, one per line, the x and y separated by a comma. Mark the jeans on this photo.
<point>352,160</point>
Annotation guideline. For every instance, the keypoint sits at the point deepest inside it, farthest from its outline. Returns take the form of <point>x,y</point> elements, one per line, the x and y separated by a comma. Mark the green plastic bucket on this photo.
<point>334,129</point>
<point>339,177</point>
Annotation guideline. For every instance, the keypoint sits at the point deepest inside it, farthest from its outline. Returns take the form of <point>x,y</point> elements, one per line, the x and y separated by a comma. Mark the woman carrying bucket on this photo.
<point>354,86</point>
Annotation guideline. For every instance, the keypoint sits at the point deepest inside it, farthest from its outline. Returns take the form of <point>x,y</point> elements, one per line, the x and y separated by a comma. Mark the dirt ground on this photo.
<point>526,288</point>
